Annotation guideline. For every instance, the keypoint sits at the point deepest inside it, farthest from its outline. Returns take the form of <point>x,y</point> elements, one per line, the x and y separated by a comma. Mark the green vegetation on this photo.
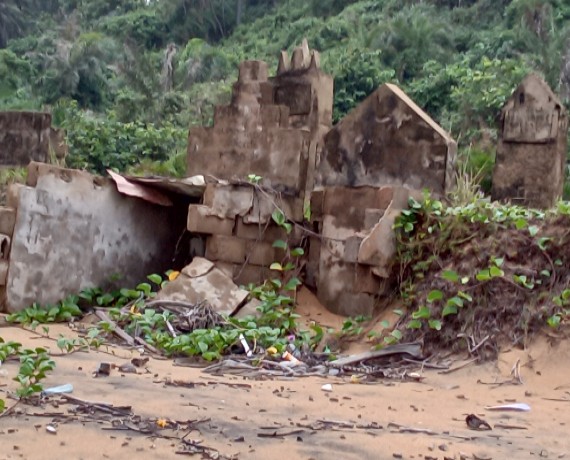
<point>134,95</point>
<point>34,367</point>
<point>482,269</point>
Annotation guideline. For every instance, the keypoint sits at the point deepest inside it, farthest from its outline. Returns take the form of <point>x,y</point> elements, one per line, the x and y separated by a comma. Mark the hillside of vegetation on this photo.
<point>127,77</point>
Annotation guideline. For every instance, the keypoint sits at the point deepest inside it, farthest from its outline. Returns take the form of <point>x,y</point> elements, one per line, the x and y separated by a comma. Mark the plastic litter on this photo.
<point>245,346</point>
<point>67,388</point>
<point>519,407</point>
<point>327,387</point>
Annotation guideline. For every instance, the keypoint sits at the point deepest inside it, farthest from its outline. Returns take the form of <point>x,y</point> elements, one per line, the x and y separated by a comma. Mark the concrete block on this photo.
<point>4,265</point>
<point>228,201</point>
<point>348,205</point>
<point>259,232</point>
<point>351,248</point>
<point>372,217</point>
<point>251,274</point>
<point>13,195</point>
<point>225,249</point>
<point>7,220</point>
<point>199,221</point>
<point>379,248</point>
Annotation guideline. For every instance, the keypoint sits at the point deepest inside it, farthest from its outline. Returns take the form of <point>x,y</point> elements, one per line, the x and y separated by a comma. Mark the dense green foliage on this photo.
<point>162,65</point>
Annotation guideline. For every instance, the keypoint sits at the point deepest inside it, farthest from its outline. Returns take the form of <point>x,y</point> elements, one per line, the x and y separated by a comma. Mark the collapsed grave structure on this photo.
<point>29,136</point>
<point>273,148</point>
<point>531,155</point>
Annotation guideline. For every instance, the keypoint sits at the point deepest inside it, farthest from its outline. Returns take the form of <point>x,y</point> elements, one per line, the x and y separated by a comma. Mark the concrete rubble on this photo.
<point>272,148</point>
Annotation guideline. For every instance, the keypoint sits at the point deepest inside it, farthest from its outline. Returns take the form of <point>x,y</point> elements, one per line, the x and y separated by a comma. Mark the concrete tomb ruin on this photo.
<point>532,149</point>
<point>272,149</point>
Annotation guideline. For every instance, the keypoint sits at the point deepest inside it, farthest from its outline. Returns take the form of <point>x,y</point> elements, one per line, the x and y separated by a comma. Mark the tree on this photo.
<point>413,36</point>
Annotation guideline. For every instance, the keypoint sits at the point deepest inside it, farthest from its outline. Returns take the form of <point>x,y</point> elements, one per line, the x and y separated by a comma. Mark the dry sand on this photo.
<point>238,414</point>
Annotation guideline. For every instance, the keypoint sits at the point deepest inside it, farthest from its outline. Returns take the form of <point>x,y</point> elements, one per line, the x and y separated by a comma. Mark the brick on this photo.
<point>225,249</point>
<point>259,253</point>
<point>13,195</point>
<point>259,232</point>
<point>238,251</point>
<point>199,221</point>
<point>7,220</point>
<point>228,201</point>
<point>351,248</point>
<point>250,274</point>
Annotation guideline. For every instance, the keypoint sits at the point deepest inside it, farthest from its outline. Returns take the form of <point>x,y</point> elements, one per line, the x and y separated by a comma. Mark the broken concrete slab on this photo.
<point>203,281</point>
<point>74,230</point>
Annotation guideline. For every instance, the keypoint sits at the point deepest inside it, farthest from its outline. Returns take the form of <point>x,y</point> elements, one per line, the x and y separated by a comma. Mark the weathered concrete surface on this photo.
<point>531,154</point>
<point>355,253</point>
<point>272,128</point>
<point>74,230</point>
<point>24,136</point>
<point>200,281</point>
<point>388,140</point>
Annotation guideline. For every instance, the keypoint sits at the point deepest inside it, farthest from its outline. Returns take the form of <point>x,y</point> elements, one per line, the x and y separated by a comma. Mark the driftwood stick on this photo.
<point>116,329</point>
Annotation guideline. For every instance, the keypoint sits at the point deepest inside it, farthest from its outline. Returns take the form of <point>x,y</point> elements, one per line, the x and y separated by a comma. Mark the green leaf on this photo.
<point>145,288</point>
<point>398,312</point>
<point>434,296</point>
<point>499,261</point>
<point>278,217</point>
<point>297,252</point>
<point>280,244</point>
<point>554,321</point>
<point>520,223</point>
<point>414,324</point>
<point>422,313</point>
<point>465,296</point>
<point>435,324</point>
<point>156,279</point>
<point>449,310</point>
<point>533,230</point>
<point>203,346</point>
<point>292,284</point>
<point>450,275</point>
<point>496,272</point>
<point>483,275</point>
<point>276,266</point>
<point>455,301</point>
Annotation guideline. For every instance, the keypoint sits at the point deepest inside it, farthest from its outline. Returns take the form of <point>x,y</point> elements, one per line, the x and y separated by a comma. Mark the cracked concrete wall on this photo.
<point>24,137</point>
<point>73,230</point>
<point>532,149</point>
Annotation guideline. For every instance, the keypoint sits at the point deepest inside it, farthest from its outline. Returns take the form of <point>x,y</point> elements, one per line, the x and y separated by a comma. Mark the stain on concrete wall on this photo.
<point>531,154</point>
<point>24,137</point>
<point>388,140</point>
